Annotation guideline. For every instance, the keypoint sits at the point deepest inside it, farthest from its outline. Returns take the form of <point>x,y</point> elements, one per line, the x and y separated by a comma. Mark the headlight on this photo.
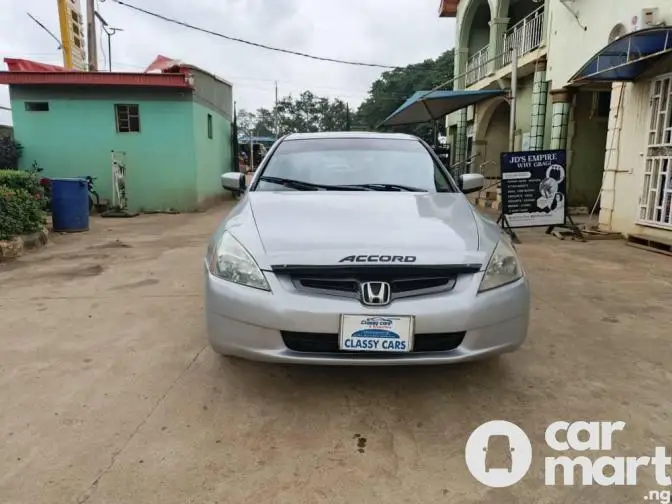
<point>230,261</point>
<point>503,267</point>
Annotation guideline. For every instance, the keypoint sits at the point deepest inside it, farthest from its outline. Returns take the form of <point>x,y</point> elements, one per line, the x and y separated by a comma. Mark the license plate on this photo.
<point>362,333</point>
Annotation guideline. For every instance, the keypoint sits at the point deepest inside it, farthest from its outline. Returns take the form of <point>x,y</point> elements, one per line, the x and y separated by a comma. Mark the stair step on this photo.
<point>486,203</point>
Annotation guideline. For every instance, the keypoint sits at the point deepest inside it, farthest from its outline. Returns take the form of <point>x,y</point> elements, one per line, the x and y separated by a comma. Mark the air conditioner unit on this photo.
<point>646,18</point>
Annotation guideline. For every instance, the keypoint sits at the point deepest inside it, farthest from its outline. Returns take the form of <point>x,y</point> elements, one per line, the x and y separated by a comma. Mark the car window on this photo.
<point>355,161</point>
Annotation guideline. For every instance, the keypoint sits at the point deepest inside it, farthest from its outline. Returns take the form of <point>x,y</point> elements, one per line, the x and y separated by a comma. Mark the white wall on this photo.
<point>570,45</point>
<point>625,154</point>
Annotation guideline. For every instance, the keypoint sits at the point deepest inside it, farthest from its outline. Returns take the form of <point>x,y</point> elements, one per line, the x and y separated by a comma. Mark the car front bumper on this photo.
<point>250,323</point>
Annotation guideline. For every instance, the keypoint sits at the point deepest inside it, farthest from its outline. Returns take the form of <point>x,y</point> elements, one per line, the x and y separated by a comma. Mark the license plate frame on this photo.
<point>374,334</point>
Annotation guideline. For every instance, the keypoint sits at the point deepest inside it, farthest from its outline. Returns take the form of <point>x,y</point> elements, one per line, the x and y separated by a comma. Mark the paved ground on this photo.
<point>109,394</point>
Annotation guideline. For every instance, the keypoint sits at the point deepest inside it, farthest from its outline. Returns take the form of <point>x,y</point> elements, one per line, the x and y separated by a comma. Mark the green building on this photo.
<point>171,130</point>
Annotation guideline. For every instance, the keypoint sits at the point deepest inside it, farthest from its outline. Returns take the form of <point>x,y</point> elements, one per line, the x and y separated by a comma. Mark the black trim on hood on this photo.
<point>382,268</point>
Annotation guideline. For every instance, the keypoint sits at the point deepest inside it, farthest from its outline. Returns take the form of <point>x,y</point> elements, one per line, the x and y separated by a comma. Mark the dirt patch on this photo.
<point>83,272</point>
<point>134,285</point>
<point>111,245</point>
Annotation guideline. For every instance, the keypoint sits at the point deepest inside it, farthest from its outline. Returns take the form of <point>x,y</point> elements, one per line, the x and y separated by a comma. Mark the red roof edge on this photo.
<point>166,80</point>
<point>163,64</point>
<point>23,65</point>
<point>448,8</point>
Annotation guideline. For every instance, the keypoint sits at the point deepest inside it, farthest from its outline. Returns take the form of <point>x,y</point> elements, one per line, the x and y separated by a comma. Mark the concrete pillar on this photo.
<point>461,57</point>
<point>461,141</point>
<point>497,34</point>
<point>561,99</point>
<point>539,104</point>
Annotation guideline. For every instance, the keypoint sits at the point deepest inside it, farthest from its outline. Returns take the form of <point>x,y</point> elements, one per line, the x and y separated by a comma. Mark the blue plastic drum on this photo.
<point>70,205</point>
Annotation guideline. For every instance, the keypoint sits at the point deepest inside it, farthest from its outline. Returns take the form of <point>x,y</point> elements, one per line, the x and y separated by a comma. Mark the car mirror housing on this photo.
<point>234,182</point>
<point>471,182</point>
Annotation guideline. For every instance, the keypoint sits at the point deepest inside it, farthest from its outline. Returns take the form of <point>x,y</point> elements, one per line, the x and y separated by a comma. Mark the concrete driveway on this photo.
<point>109,394</point>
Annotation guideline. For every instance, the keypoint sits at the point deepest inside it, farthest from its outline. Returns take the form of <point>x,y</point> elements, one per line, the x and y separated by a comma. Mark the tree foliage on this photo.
<point>395,86</point>
<point>308,112</point>
<point>10,153</point>
<point>303,113</point>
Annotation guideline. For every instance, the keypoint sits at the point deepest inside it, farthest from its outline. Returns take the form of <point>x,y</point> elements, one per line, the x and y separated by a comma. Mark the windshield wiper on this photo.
<point>309,186</point>
<point>390,187</point>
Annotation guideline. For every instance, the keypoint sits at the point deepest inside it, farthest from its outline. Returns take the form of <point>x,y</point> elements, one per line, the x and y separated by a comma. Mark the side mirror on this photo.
<point>234,182</point>
<point>471,182</point>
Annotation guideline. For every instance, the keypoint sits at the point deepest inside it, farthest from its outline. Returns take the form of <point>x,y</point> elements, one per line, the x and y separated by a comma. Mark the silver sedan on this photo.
<point>361,249</point>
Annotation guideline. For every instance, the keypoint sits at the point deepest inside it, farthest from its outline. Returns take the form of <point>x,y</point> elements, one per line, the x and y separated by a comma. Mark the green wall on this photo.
<point>213,155</point>
<point>170,163</point>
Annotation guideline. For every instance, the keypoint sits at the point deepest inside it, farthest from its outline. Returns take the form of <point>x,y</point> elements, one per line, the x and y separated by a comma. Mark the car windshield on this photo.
<point>376,164</point>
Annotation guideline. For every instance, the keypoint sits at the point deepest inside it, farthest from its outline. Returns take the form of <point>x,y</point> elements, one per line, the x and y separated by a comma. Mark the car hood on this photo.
<point>329,228</point>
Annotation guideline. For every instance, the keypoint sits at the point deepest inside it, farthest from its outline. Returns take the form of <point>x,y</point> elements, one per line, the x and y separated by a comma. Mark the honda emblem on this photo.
<point>375,293</point>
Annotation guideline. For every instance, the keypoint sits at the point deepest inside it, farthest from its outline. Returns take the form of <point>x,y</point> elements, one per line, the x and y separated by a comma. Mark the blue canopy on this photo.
<point>257,139</point>
<point>426,106</point>
<point>625,59</point>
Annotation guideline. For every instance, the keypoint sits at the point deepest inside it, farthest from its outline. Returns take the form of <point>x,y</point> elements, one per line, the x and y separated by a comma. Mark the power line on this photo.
<point>45,29</point>
<point>355,93</point>
<point>254,44</point>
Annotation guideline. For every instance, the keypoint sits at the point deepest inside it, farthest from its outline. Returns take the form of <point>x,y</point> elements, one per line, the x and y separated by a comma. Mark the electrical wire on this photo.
<point>102,44</point>
<point>247,42</point>
<point>354,93</point>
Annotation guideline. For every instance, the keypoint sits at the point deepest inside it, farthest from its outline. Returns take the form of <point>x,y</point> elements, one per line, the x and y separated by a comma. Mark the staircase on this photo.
<point>490,197</point>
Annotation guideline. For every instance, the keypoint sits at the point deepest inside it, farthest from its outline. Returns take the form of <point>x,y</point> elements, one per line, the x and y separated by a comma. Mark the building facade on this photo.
<point>616,126</point>
<point>171,132</point>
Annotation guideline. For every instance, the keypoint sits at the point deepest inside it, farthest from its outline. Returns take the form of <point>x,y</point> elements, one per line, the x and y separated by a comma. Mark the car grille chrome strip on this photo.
<point>346,281</point>
<point>349,287</point>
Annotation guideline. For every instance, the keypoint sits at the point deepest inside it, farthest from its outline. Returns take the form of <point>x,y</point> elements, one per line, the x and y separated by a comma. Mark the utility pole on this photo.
<point>275,113</point>
<point>109,31</point>
<point>512,102</point>
<point>91,48</point>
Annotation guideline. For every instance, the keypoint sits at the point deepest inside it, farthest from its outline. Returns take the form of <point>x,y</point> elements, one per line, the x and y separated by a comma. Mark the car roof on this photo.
<point>348,134</point>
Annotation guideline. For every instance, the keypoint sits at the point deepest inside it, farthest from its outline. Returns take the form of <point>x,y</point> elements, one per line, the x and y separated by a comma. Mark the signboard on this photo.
<point>534,188</point>
<point>73,38</point>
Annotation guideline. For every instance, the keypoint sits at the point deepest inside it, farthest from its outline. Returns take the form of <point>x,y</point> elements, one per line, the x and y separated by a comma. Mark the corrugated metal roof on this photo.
<point>26,72</point>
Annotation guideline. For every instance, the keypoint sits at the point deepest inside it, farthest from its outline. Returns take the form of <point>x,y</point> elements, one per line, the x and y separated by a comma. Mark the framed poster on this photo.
<point>534,188</point>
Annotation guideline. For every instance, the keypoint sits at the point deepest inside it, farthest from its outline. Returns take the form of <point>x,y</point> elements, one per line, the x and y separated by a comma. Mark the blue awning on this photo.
<point>625,59</point>
<point>424,106</point>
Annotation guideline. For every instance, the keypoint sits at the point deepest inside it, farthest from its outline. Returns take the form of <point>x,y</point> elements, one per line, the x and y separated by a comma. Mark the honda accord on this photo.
<point>361,249</point>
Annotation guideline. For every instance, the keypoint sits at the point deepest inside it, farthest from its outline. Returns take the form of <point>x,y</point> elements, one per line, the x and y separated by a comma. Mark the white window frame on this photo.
<point>657,176</point>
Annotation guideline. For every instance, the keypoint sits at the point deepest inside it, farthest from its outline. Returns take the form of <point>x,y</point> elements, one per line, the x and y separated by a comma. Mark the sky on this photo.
<point>387,32</point>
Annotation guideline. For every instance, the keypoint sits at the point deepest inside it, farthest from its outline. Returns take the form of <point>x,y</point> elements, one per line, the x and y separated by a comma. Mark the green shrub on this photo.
<point>20,212</point>
<point>15,179</point>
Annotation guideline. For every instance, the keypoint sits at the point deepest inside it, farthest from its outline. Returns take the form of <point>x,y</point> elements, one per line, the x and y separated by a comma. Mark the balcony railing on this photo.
<point>477,66</point>
<point>525,36</point>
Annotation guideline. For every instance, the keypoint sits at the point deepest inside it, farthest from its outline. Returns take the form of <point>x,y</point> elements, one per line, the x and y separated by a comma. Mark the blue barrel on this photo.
<point>69,205</point>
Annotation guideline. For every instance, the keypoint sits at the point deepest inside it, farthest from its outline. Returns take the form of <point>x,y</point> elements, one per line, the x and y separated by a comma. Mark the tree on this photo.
<point>310,113</point>
<point>246,122</point>
<point>10,153</point>
<point>305,113</point>
<point>393,88</point>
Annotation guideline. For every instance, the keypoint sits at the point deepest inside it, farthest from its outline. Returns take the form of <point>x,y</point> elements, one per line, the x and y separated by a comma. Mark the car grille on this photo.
<point>405,281</point>
<point>328,343</point>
